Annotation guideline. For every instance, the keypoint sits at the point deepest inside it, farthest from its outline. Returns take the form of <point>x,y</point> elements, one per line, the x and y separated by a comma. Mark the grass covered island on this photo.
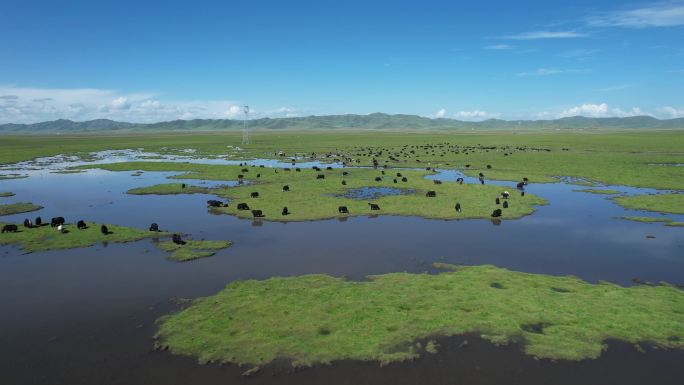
<point>314,195</point>
<point>598,191</point>
<point>168,189</point>
<point>664,203</point>
<point>17,208</point>
<point>666,221</point>
<point>315,319</point>
<point>193,249</point>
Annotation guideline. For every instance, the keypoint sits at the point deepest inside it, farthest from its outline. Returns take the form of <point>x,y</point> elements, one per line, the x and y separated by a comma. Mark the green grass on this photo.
<point>664,203</point>
<point>598,191</point>
<point>16,208</point>
<point>8,177</point>
<point>168,189</point>
<point>312,199</point>
<point>193,249</point>
<point>619,158</point>
<point>318,318</point>
<point>48,238</point>
<point>648,219</point>
<point>6,194</point>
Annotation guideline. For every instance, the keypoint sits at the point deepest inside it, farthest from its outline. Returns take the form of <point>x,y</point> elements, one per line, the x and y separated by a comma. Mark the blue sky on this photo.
<point>152,61</point>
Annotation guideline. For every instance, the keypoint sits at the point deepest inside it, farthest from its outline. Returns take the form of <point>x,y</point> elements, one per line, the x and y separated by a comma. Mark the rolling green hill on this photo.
<point>376,121</point>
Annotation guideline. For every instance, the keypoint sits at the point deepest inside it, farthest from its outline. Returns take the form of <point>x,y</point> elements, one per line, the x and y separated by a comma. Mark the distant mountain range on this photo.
<point>376,121</point>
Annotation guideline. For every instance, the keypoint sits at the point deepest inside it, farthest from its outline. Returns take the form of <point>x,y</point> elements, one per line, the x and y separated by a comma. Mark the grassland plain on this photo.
<point>193,249</point>
<point>310,198</point>
<point>620,158</point>
<point>44,237</point>
<point>318,318</point>
<point>19,207</point>
<point>664,203</point>
<point>168,189</point>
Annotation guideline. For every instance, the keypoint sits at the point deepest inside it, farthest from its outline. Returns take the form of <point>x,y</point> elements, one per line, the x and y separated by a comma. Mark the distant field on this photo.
<point>633,159</point>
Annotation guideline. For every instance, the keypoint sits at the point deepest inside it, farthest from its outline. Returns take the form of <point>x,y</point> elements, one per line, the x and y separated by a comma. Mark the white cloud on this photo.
<point>599,111</point>
<point>474,115</point>
<point>498,47</point>
<point>441,113</point>
<point>672,112</point>
<point>536,35</point>
<point>551,71</point>
<point>30,105</point>
<point>668,14</point>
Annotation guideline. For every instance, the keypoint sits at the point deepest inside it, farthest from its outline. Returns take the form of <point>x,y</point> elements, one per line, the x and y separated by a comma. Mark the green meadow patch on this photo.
<point>168,189</point>
<point>598,191</point>
<point>6,194</point>
<point>192,249</point>
<point>16,208</point>
<point>664,203</point>
<point>317,195</point>
<point>315,319</point>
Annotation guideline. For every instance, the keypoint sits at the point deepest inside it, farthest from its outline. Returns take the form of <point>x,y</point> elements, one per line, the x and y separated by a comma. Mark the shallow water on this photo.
<point>367,193</point>
<point>87,315</point>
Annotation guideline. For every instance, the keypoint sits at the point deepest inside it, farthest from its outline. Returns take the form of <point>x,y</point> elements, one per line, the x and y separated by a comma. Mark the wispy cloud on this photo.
<point>29,105</point>
<point>618,87</point>
<point>599,111</point>
<point>498,47</point>
<point>536,35</point>
<point>672,112</point>
<point>551,71</point>
<point>441,113</point>
<point>580,53</point>
<point>665,14</point>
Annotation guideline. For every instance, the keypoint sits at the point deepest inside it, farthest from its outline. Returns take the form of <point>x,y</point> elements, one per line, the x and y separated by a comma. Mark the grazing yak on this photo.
<point>10,228</point>
<point>54,222</point>
<point>298,169</point>
<point>285,211</point>
<point>257,214</point>
<point>398,175</point>
<point>244,170</point>
<point>240,176</point>
<point>343,210</point>
<point>104,230</point>
<point>215,203</point>
<point>286,188</point>
<point>459,180</point>
<point>497,201</point>
<point>505,204</point>
<point>404,179</point>
<point>520,185</point>
<point>39,221</point>
<point>81,225</point>
<point>176,238</point>
<point>489,166</point>
<point>522,193</point>
<point>154,227</point>
<point>344,173</point>
<point>505,195</point>
<point>254,194</point>
<point>27,223</point>
<point>378,179</point>
<point>344,182</point>
<point>481,180</point>
<point>437,181</point>
<point>242,206</point>
<point>182,185</point>
<point>431,194</point>
<point>328,168</point>
<point>458,207</point>
<point>374,206</point>
<point>320,176</point>
<point>496,213</point>
<point>394,180</point>
<point>258,175</point>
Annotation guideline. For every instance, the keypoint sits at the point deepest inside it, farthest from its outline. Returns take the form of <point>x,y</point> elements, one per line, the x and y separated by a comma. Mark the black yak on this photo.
<point>458,207</point>
<point>343,210</point>
<point>154,227</point>
<point>215,203</point>
<point>496,213</point>
<point>505,204</point>
<point>176,238</point>
<point>254,194</point>
<point>497,201</point>
<point>320,176</point>
<point>285,211</point>
<point>431,194</point>
<point>437,181</point>
<point>522,193</point>
<point>10,228</point>
<point>344,182</point>
<point>39,221</point>
<point>404,179</point>
<point>257,214</point>
<point>378,179</point>
<point>104,230</point>
<point>286,188</point>
<point>81,225</point>
<point>242,206</point>
<point>374,206</point>
<point>54,222</point>
<point>27,223</point>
